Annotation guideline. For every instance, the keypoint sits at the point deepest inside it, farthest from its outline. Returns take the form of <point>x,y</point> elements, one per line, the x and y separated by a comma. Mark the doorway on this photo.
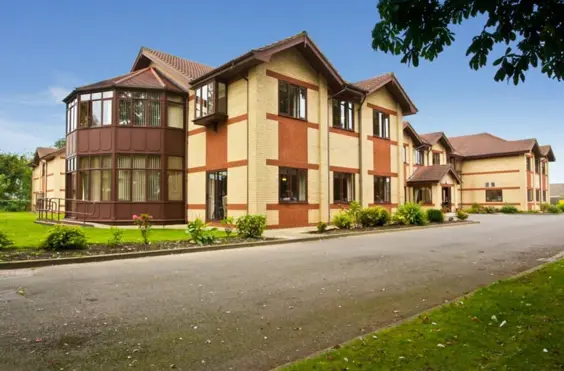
<point>216,192</point>
<point>446,199</point>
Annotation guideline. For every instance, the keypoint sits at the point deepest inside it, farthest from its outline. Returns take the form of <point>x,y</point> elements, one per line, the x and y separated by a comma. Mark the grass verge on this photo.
<point>516,324</point>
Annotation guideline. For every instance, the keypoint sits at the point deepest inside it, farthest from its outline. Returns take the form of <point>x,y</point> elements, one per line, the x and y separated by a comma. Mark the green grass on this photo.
<point>21,229</point>
<point>468,334</point>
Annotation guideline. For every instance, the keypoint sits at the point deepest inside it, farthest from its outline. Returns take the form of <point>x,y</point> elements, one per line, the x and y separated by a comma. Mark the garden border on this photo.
<point>187,250</point>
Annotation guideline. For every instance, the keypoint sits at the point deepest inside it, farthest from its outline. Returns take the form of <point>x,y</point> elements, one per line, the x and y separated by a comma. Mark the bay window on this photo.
<point>139,178</point>
<point>174,178</point>
<point>95,109</point>
<point>175,112</point>
<point>382,190</point>
<point>292,185</point>
<point>140,108</point>
<point>95,178</point>
<point>72,108</point>
<point>343,187</point>
<point>381,124</point>
<point>343,115</point>
<point>211,98</point>
<point>423,195</point>
<point>292,100</point>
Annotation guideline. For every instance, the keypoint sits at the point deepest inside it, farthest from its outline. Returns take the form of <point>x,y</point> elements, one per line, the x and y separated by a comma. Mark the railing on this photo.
<point>49,209</point>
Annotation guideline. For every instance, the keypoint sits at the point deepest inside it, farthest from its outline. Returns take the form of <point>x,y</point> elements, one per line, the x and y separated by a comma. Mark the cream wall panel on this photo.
<point>313,216</point>
<point>271,138</point>
<point>237,185</point>
<point>312,146</point>
<point>237,98</point>
<point>394,185</point>
<point>269,182</point>
<point>236,141</point>
<point>190,112</point>
<point>313,196</point>
<point>272,217</point>
<point>236,213</point>
<point>479,196</point>
<point>192,215</point>
<point>500,180</point>
<point>196,188</point>
<point>197,150</point>
<point>494,164</point>
<point>344,151</point>
<point>382,98</point>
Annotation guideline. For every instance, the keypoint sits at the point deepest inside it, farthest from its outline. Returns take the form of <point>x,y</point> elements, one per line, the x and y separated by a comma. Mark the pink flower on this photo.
<point>134,216</point>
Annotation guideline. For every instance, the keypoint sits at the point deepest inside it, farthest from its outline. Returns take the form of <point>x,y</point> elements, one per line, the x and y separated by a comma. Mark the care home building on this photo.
<point>276,131</point>
<point>48,174</point>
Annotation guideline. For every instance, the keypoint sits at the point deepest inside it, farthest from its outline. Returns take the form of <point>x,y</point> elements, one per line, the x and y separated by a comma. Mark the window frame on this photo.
<point>387,190</point>
<point>343,179</point>
<point>538,195</point>
<point>530,195</point>
<point>287,171</point>
<point>376,123</point>
<point>147,171</point>
<point>198,101</point>
<point>338,107</point>
<point>75,166</point>
<point>172,170</point>
<point>419,154</point>
<point>435,156</point>
<point>300,89</point>
<point>429,193</point>
<point>497,197</point>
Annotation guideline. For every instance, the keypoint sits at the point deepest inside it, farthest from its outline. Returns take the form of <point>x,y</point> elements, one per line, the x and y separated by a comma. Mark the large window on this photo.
<point>343,187</point>
<point>292,100</point>
<point>343,115</point>
<point>175,112</point>
<point>494,195</point>
<point>537,165</point>
<point>423,195</point>
<point>381,124</point>
<point>139,178</point>
<point>436,158</point>
<point>210,98</point>
<point>174,174</point>
<point>95,109</point>
<point>95,178</point>
<point>538,194</point>
<point>404,154</point>
<point>530,195</point>
<point>139,108</point>
<point>543,196</point>
<point>72,115</point>
<point>292,185</point>
<point>419,157</point>
<point>382,190</point>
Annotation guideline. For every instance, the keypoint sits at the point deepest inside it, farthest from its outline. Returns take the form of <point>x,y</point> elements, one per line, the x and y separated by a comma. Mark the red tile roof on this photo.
<point>186,67</point>
<point>431,174</point>
<point>432,138</point>
<point>488,145</point>
<point>374,83</point>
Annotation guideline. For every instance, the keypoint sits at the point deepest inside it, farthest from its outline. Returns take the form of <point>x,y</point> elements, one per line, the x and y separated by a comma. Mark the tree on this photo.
<point>532,30</point>
<point>60,143</point>
<point>15,180</point>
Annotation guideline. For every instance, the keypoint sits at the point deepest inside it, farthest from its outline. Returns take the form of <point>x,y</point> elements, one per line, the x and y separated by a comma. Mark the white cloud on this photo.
<point>25,136</point>
<point>52,96</point>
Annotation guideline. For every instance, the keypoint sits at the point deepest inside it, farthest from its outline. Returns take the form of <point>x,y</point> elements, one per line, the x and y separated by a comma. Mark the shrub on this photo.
<point>251,226</point>
<point>561,207</point>
<point>476,209</point>
<point>228,222</point>
<point>553,209</point>
<point>461,214</point>
<point>321,227</point>
<point>435,216</point>
<point>374,216</point>
<point>509,209</point>
<point>342,220</point>
<point>5,242</point>
<point>143,222</point>
<point>199,233</point>
<point>410,214</point>
<point>490,210</point>
<point>62,237</point>
<point>115,239</point>
<point>354,212</point>
<point>544,207</point>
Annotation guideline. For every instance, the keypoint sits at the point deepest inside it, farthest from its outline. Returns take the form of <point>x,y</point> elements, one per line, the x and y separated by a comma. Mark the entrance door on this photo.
<point>216,190</point>
<point>446,198</point>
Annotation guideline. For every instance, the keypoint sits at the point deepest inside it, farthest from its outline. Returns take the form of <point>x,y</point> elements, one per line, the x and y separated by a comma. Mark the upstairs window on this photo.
<point>529,195</point>
<point>343,187</point>
<point>72,109</point>
<point>292,185</point>
<point>537,165</point>
<point>210,98</point>
<point>292,100</point>
<point>175,112</point>
<point>381,124</point>
<point>436,158</point>
<point>95,109</point>
<point>343,115</point>
<point>419,157</point>
<point>529,164</point>
<point>382,190</point>
<point>404,154</point>
<point>139,108</point>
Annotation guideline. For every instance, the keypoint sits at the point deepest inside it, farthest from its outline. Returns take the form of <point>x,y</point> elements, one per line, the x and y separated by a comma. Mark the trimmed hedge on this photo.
<point>410,214</point>
<point>461,214</point>
<point>251,226</point>
<point>62,237</point>
<point>374,217</point>
<point>509,209</point>
<point>342,220</point>
<point>435,216</point>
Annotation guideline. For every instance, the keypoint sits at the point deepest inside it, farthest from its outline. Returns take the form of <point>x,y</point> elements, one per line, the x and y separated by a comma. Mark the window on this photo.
<point>343,115</point>
<point>544,196</point>
<point>537,165</point>
<point>529,195</point>
<point>343,187</point>
<point>139,108</point>
<point>139,178</point>
<point>436,158</point>
<point>72,115</point>
<point>538,194</point>
<point>292,185</point>
<point>174,174</point>
<point>419,157</point>
<point>95,109</point>
<point>528,164</point>
<point>423,195</point>
<point>381,124</point>
<point>210,98</point>
<point>404,154</point>
<point>382,190</point>
<point>292,100</point>
<point>494,195</point>
<point>175,112</point>
<point>95,178</point>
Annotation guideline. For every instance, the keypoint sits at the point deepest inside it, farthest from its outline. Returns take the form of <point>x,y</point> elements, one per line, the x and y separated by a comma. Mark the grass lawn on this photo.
<point>21,229</point>
<point>517,324</point>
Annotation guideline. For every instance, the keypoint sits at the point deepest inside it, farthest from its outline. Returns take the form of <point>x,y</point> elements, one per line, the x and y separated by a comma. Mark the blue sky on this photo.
<point>48,48</point>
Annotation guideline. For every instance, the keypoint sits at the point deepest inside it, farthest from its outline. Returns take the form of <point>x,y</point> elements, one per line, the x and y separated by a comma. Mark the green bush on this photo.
<point>561,207</point>
<point>321,227</point>
<point>62,238</point>
<point>354,211</point>
<point>251,226</point>
<point>410,214</point>
<point>5,242</point>
<point>199,233</point>
<point>490,210</point>
<point>115,239</point>
<point>342,220</point>
<point>509,209</point>
<point>553,209</point>
<point>373,217</point>
<point>476,209</point>
<point>544,207</point>
<point>461,214</point>
<point>435,216</point>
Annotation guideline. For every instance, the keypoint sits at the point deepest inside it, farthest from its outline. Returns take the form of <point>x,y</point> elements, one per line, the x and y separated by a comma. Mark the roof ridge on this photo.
<point>130,75</point>
<point>153,51</point>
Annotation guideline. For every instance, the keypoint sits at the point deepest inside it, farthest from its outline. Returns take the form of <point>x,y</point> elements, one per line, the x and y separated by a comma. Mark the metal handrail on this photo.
<point>46,207</point>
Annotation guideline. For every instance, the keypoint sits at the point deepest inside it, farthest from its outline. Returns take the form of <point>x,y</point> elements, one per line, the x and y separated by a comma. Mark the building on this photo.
<point>556,193</point>
<point>276,131</point>
<point>48,175</point>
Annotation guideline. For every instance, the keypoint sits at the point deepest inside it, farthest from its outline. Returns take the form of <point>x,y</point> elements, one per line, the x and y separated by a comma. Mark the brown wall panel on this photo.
<point>216,147</point>
<point>174,143</point>
<point>382,157</point>
<point>123,140</point>
<point>292,141</point>
<point>292,216</point>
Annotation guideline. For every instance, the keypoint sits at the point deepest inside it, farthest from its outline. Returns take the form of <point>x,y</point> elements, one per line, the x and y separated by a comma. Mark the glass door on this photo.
<point>216,197</point>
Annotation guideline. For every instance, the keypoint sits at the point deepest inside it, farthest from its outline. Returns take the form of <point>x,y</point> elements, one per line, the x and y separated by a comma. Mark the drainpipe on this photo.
<point>360,134</point>
<point>248,142</point>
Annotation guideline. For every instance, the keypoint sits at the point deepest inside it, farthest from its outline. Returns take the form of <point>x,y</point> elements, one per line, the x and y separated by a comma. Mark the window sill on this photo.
<point>293,202</point>
<point>343,129</point>
<point>292,117</point>
<point>377,137</point>
<point>214,118</point>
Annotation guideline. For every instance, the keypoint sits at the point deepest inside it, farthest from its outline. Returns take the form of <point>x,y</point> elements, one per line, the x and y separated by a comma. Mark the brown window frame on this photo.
<point>494,195</point>
<point>87,100</point>
<point>89,170</point>
<point>529,163</point>
<point>538,195</point>
<point>301,90</point>
<point>129,97</point>
<point>72,115</point>
<point>198,102</point>
<point>530,195</point>
<point>429,192</point>
<point>291,173</point>
<point>419,155</point>
<point>342,180</point>
<point>378,126</point>
<point>346,123</point>
<point>386,182</point>
<point>147,170</point>
<point>172,170</point>
<point>436,156</point>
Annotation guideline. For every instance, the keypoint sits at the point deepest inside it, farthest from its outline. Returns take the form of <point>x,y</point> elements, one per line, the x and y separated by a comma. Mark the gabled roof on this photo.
<point>407,128</point>
<point>147,78</point>
<point>432,174</point>
<point>546,151</point>
<point>45,153</point>
<point>434,138</point>
<point>487,145</point>
<point>389,81</point>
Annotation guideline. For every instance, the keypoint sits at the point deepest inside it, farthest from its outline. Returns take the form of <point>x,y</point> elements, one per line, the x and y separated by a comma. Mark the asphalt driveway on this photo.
<point>255,308</point>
